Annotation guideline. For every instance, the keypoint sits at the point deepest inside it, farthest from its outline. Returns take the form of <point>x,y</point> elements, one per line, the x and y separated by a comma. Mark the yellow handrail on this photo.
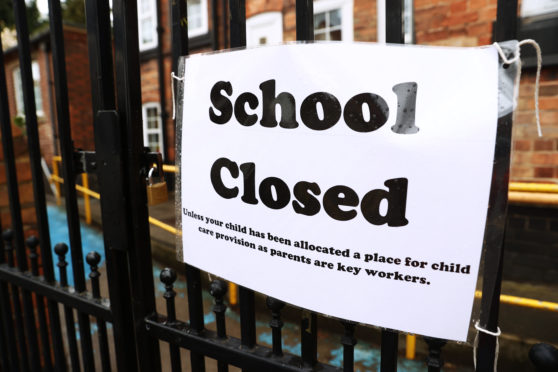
<point>170,168</point>
<point>533,187</point>
<point>525,302</point>
<point>519,191</point>
<point>164,226</point>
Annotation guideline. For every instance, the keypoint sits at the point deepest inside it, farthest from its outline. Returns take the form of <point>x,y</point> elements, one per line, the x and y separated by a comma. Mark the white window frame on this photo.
<point>268,23</point>
<point>531,8</point>
<point>151,13</point>
<point>346,7</point>
<point>147,131</point>
<point>204,28</point>
<point>18,90</point>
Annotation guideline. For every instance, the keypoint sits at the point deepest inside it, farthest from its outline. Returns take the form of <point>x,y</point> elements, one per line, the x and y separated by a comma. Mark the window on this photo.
<point>530,8</point>
<point>264,28</point>
<point>197,17</point>
<point>152,127</point>
<point>18,88</point>
<point>333,20</point>
<point>147,21</point>
<point>539,21</point>
<point>147,24</point>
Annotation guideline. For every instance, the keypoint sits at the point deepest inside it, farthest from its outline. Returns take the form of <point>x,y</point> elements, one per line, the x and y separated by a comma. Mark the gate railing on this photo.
<point>31,333</point>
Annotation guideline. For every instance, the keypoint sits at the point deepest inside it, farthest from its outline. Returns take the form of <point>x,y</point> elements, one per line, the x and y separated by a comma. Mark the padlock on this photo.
<point>156,191</point>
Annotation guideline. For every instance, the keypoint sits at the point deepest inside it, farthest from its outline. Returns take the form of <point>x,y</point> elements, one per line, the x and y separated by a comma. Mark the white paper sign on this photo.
<point>349,179</point>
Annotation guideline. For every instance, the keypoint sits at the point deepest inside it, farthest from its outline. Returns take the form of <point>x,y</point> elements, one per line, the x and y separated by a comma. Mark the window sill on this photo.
<point>194,43</point>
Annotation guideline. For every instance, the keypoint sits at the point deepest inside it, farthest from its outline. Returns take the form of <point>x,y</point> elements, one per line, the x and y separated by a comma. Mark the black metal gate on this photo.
<point>33,305</point>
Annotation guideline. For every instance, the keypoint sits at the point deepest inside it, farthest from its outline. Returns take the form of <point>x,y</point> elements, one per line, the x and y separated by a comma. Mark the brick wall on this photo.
<point>79,88</point>
<point>463,23</point>
<point>531,244</point>
<point>25,185</point>
<point>39,55</point>
<point>469,23</point>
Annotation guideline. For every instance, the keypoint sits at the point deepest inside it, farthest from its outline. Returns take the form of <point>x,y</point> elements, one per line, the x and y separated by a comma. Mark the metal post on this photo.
<point>304,20</point>
<point>128,88</point>
<point>69,174</point>
<point>394,22</point>
<point>110,171</point>
<point>394,34</point>
<point>505,29</point>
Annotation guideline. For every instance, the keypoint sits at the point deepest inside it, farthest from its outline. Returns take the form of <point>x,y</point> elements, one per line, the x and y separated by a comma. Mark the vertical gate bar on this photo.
<point>304,20</point>
<point>394,22</point>
<point>31,332</point>
<point>309,320</point>
<point>7,325</point>
<point>7,236</point>
<point>390,346</point>
<point>394,34</point>
<point>247,317</point>
<point>61,249</point>
<point>33,143</point>
<point>72,340</point>
<point>15,209</point>
<point>225,25</point>
<point>276,324</point>
<point>215,21</point>
<point>218,289</point>
<point>168,277</point>
<point>23,355</point>
<point>180,47</point>
<point>128,88</point>
<point>309,338</point>
<point>93,258</point>
<point>69,174</point>
<point>32,242</point>
<point>179,32</point>
<point>38,189</point>
<point>195,310</point>
<point>110,172</point>
<point>8,147</point>
<point>237,9</point>
<point>504,29</point>
<point>349,341</point>
<point>5,363</point>
<point>434,360</point>
<point>162,79</point>
<point>38,186</point>
<point>506,20</point>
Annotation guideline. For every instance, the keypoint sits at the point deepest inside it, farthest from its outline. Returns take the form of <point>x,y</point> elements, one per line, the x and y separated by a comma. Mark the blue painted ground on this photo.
<point>367,357</point>
<point>91,240</point>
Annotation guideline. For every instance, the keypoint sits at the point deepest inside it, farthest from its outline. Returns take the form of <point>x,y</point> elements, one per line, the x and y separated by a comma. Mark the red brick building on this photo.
<point>433,22</point>
<point>79,88</point>
<point>80,111</point>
